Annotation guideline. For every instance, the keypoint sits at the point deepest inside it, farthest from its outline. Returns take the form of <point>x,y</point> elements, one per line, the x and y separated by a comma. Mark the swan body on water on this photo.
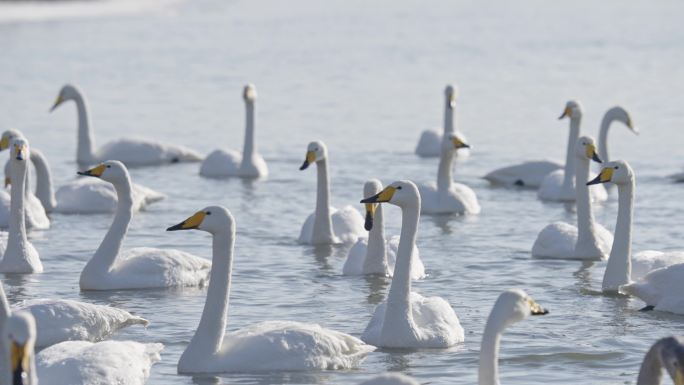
<point>266,346</point>
<point>20,256</point>
<point>588,240</point>
<point>328,225</point>
<point>430,142</point>
<point>223,163</point>
<point>447,197</point>
<point>407,319</point>
<point>377,255</point>
<point>133,152</point>
<point>141,267</point>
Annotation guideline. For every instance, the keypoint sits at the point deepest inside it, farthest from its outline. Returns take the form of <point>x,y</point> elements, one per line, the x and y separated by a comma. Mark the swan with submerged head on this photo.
<point>430,142</point>
<point>266,346</point>
<point>131,151</point>
<point>327,225</point>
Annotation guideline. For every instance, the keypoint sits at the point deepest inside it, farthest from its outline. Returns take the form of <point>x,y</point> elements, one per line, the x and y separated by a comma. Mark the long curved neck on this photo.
<point>211,329</point>
<point>249,148</point>
<point>85,152</point>
<point>16,237</point>
<point>608,118</point>
<point>4,313</point>
<point>570,154</point>
<point>619,268</point>
<point>444,173</point>
<point>585,216</point>
<point>44,190</point>
<point>376,252</point>
<point>105,256</point>
<point>323,231</point>
<point>448,118</point>
<point>651,371</point>
<point>398,298</point>
<point>488,372</point>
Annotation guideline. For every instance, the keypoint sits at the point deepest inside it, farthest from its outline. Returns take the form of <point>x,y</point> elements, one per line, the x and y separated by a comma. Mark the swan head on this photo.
<point>212,219</point>
<point>249,93</point>
<point>402,193</point>
<point>20,336</point>
<point>7,137</point>
<point>573,110</point>
<point>371,187</point>
<point>20,149</point>
<point>451,94</point>
<point>618,172</point>
<point>315,152</point>
<point>112,171</point>
<point>68,92</point>
<point>514,306</point>
<point>453,142</point>
<point>621,115</point>
<point>670,352</point>
<point>585,147</point>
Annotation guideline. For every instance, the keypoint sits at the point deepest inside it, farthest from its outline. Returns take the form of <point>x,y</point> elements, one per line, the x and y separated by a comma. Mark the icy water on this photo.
<point>365,77</point>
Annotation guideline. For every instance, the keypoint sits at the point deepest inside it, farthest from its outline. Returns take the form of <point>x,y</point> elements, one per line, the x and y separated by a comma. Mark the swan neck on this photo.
<point>211,329</point>
<point>105,255</point>
<point>651,371</point>
<point>250,145</point>
<point>86,142</point>
<point>16,237</point>
<point>4,309</point>
<point>376,252</point>
<point>570,154</point>
<point>398,299</point>
<point>448,118</point>
<point>585,216</point>
<point>619,268</point>
<point>44,190</point>
<point>603,135</point>
<point>444,170</point>
<point>323,231</point>
<point>488,372</point>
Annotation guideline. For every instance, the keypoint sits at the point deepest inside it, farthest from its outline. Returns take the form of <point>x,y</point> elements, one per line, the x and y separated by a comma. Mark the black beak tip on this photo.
<point>84,173</point>
<point>304,166</point>
<point>368,224</point>
<point>175,227</point>
<point>596,158</point>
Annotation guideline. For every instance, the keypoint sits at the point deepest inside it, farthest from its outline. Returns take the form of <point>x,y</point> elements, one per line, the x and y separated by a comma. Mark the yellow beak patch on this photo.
<point>679,377</point>
<point>310,156</point>
<point>386,194</point>
<point>19,151</point>
<point>19,356</point>
<point>4,143</point>
<point>535,308</point>
<point>96,171</point>
<point>591,149</point>
<point>606,174</point>
<point>566,112</point>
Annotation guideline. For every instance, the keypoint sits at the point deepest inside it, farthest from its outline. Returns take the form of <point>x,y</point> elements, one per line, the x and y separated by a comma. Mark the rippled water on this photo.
<point>365,77</point>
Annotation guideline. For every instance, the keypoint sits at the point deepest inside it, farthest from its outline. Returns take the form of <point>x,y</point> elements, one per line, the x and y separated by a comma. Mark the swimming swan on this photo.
<point>266,346</point>
<point>139,267</point>
<point>447,197</point>
<point>407,319</point>
<point>20,256</point>
<point>328,225</point>
<point>430,142</point>
<point>666,353</point>
<point>63,320</point>
<point>623,267</point>
<point>131,151</point>
<point>73,362</point>
<point>224,163</point>
<point>377,255</point>
<point>588,240</point>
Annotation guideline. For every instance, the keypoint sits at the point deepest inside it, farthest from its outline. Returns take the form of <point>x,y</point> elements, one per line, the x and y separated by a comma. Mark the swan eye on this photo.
<point>109,166</point>
<point>208,213</point>
<point>398,187</point>
<point>616,167</point>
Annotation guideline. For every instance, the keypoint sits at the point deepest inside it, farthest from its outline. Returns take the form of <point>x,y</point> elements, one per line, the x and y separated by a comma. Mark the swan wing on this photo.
<point>356,257</point>
<point>646,261</point>
<point>87,363</point>
<point>136,152</point>
<point>526,175</point>
<point>347,224</point>
<point>436,320</point>
<point>556,240</point>
<point>221,163</point>
<point>429,143</point>
<point>661,288</point>
<point>63,320</point>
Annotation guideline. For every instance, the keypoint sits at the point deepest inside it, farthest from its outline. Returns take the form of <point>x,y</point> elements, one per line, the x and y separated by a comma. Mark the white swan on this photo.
<point>377,255</point>
<point>20,256</point>
<point>588,240</point>
<point>140,267</point>
<point>73,362</point>
<point>559,185</point>
<point>131,151</point>
<point>430,142</point>
<point>614,114</point>
<point>328,225</point>
<point>391,379</point>
<point>623,267</point>
<point>267,346</point>
<point>666,353</point>
<point>225,163</point>
<point>63,320</point>
<point>407,319</point>
<point>447,197</point>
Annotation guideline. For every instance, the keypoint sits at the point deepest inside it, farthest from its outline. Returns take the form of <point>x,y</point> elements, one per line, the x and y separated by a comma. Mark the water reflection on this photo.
<point>376,288</point>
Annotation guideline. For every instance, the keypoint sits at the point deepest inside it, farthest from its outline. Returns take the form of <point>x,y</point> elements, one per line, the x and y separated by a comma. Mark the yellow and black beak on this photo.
<point>370,213</point>
<point>191,223</point>
<point>535,308</point>
<point>60,100</point>
<point>310,158</point>
<point>96,171</point>
<point>591,153</point>
<point>458,143</point>
<point>20,362</point>
<point>20,151</point>
<point>381,197</point>
<point>4,143</point>
<point>566,113</point>
<point>679,376</point>
<point>603,177</point>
